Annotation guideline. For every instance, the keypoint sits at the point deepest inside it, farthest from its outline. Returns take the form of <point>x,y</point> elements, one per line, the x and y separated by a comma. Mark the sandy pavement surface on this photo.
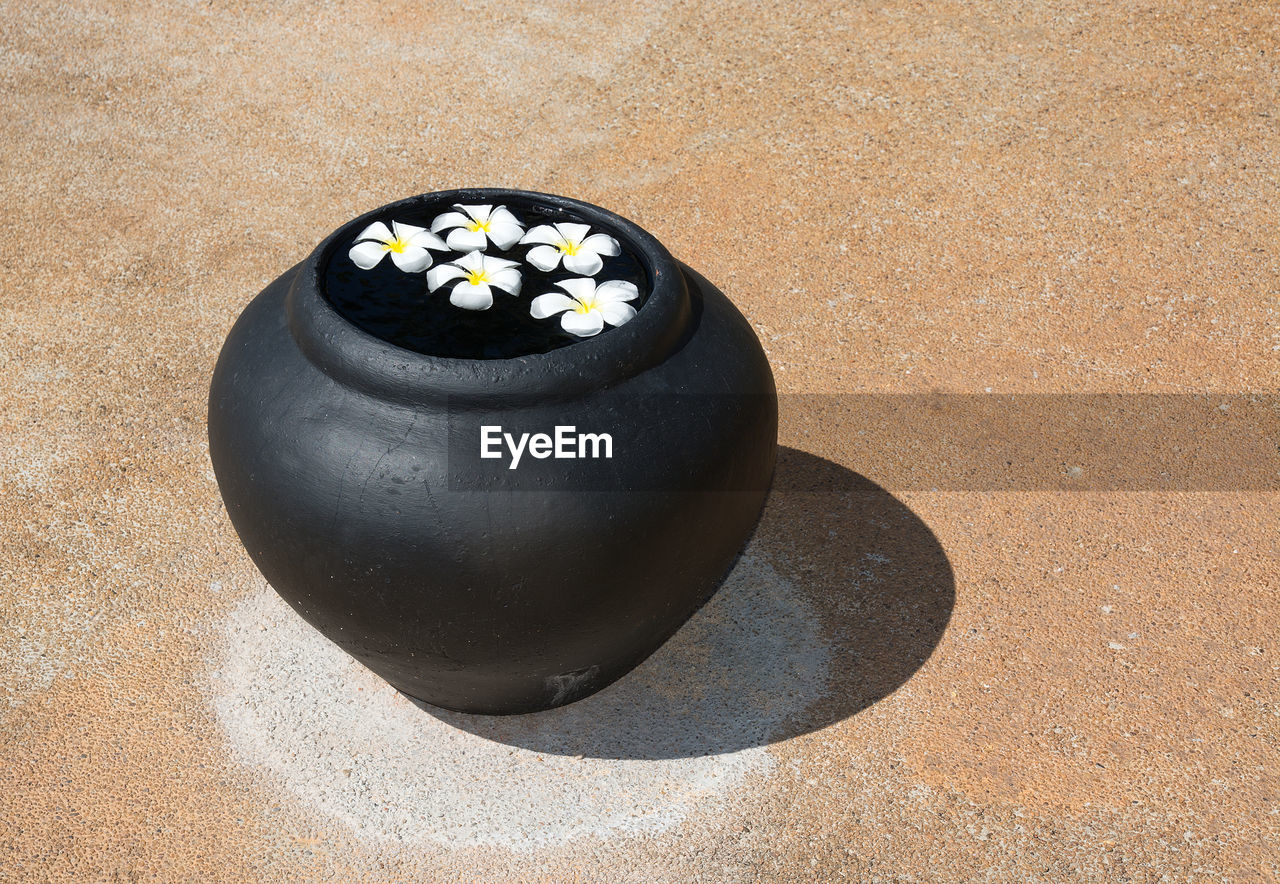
<point>992,681</point>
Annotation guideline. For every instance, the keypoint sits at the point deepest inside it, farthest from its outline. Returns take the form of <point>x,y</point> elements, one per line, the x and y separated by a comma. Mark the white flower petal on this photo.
<point>479,213</point>
<point>543,233</point>
<point>502,215</point>
<point>377,230</point>
<point>463,240</point>
<point>428,240</point>
<point>616,290</point>
<point>412,260</point>
<point>471,261</point>
<point>507,280</point>
<point>602,244</point>
<point>550,304</point>
<point>471,297</point>
<point>584,325</point>
<point>616,313</point>
<point>544,257</point>
<point>405,231</point>
<point>582,289</point>
<point>438,276</point>
<point>585,262</point>
<point>447,220</point>
<point>505,234</point>
<point>493,264</point>
<point>573,232</point>
<point>366,255</point>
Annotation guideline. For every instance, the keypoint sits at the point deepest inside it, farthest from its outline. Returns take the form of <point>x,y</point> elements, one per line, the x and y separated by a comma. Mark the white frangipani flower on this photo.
<point>406,244</point>
<point>570,243</point>
<point>479,275</point>
<point>587,306</point>
<point>473,227</point>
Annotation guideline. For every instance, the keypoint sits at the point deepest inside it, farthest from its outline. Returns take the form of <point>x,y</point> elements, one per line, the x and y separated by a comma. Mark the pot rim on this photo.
<point>356,358</point>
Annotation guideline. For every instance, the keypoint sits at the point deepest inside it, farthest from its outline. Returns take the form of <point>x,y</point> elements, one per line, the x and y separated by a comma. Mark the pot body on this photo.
<point>465,583</point>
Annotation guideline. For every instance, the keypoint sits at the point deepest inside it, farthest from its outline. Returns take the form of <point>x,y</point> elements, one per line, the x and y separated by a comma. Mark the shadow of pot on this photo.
<point>840,598</point>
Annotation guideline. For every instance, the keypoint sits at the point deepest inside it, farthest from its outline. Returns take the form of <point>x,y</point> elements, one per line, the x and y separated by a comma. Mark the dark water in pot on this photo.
<point>398,308</point>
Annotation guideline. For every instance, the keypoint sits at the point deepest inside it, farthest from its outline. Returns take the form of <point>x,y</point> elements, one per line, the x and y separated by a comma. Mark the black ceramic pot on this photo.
<point>356,466</point>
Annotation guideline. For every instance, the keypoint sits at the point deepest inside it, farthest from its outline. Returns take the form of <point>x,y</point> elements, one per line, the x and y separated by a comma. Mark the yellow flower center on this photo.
<point>478,226</point>
<point>397,245</point>
<point>569,247</point>
<point>475,277</point>
<point>584,306</point>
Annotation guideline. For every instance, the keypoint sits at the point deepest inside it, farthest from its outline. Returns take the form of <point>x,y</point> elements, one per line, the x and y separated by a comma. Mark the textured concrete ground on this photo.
<point>1020,684</point>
